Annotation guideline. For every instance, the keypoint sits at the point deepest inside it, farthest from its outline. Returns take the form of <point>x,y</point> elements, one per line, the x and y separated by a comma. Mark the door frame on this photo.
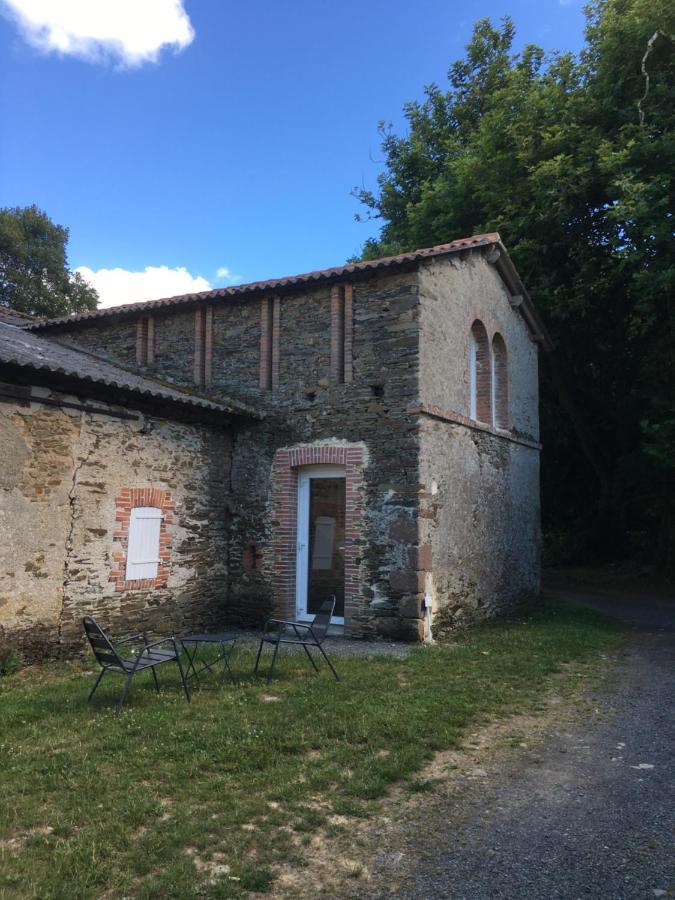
<point>305,475</point>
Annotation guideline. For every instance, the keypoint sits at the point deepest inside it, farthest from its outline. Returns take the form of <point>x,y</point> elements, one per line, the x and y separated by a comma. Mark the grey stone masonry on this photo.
<point>448,507</point>
<point>67,476</point>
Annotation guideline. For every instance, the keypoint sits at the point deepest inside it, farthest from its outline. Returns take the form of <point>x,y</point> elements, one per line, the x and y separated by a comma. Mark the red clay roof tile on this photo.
<point>276,284</point>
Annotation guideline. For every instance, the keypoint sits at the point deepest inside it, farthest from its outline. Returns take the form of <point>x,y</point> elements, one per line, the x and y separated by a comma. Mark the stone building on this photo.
<point>368,431</point>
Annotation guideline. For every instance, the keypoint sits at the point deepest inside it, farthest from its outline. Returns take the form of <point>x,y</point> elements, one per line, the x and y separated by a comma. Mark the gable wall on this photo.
<point>480,509</point>
<point>457,291</point>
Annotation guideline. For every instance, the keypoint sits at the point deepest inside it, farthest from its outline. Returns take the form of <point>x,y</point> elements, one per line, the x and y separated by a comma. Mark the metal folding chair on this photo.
<point>280,631</point>
<point>148,657</point>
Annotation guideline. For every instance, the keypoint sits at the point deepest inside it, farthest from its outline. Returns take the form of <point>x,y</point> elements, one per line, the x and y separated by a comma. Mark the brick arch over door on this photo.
<point>480,374</point>
<point>285,468</point>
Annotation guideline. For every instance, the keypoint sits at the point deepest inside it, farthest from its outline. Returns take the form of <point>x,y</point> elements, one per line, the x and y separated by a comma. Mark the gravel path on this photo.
<point>591,813</point>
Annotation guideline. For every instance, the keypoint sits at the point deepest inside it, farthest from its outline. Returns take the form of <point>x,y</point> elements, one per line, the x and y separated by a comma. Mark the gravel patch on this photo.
<point>587,814</point>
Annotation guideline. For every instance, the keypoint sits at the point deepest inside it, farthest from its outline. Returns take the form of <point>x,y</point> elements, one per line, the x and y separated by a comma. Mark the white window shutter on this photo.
<point>143,544</point>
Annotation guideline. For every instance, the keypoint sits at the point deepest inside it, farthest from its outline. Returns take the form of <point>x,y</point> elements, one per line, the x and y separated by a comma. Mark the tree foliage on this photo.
<point>34,273</point>
<point>572,159</point>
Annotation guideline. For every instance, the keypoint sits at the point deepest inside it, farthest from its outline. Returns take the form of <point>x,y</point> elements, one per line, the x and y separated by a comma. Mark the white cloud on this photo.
<point>117,286</point>
<point>227,275</point>
<point>128,31</point>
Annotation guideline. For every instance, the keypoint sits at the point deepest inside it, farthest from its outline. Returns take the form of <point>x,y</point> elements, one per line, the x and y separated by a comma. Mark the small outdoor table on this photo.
<point>226,640</point>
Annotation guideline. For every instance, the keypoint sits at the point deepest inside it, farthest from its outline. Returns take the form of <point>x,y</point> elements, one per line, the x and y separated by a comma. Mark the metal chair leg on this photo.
<point>257,659</point>
<point>332,668</point>
<point>123,695</point>
<point>274,659</point>
<point>154,676</point>
<point>183,678</point>
<point>310,657</point>
<point>96,684</point>
<point>227,667</point>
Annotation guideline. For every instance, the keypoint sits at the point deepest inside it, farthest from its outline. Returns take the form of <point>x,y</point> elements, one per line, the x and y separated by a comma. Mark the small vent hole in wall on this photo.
<point>311,396</point>
<point>377,390</point>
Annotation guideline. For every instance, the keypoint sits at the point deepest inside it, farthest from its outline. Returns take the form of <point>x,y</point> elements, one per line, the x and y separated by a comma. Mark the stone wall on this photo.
<point>65,478</point>
<point>479,523</point>
<point>449,506</point>
<point>308,407</point>
<point>479,484</point>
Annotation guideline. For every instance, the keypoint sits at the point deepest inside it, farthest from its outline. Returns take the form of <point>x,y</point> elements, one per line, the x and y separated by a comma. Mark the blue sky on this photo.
<point>237,151</point>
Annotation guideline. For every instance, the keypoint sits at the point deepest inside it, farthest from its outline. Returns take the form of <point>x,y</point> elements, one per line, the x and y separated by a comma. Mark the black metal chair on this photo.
<point>276,632</point>
<point>147,657</point>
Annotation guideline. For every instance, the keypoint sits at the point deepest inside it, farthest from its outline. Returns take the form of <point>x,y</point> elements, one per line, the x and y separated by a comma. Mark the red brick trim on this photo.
<point>125,502</point>
<point>349,333</point>
<point>141,341</point>
<point>483,373</point>
<point>285,468</point>
<point>266,343</point>
<point>276,332</point>
<point>337,333</point>
<point>500,383</point>
<point>208,346</point>
<point>151,340</point>
<point>270,324</point>
<point>199,347</point>
<point>492,326</point>
<point>203,346</point>
<point>341,332</point>
<point>145,341</point>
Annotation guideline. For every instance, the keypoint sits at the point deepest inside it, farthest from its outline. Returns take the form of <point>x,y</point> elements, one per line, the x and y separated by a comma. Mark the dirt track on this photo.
<point>590,812</point>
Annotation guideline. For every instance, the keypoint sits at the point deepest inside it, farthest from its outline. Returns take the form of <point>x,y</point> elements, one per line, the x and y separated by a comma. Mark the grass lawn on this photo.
<point>204,800</point>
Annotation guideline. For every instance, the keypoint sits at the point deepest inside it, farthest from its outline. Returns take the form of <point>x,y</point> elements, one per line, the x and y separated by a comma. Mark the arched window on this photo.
<point>500,382</point>
<point>480,390</point>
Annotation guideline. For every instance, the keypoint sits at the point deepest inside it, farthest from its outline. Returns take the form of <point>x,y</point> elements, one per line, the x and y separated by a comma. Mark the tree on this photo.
<point>572,159</point>
<point>34,273</point>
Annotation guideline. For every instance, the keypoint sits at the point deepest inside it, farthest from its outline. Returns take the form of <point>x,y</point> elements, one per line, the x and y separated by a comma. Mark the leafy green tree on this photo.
<point>572,159</point>
<point>34,273</point>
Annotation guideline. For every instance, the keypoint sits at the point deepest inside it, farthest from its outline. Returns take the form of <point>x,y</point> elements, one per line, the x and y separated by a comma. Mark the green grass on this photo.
<point>203,800</point>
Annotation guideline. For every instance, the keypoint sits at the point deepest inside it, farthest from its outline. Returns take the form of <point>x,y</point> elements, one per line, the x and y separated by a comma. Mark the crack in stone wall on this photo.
<point>72,501</point>
<point>57,519</point>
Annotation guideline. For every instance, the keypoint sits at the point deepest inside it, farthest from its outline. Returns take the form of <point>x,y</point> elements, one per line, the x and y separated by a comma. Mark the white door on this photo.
<point>320,568</point>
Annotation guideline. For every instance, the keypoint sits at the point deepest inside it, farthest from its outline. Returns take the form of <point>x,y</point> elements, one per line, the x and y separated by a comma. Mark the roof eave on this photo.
<point>490,242</point>
<point>146,401</point>
<point>521,299</point>
<point>281,286</point>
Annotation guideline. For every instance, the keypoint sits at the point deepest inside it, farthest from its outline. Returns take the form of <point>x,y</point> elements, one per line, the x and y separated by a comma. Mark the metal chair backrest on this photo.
<point>322,619</point>
<point>103,649</point>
